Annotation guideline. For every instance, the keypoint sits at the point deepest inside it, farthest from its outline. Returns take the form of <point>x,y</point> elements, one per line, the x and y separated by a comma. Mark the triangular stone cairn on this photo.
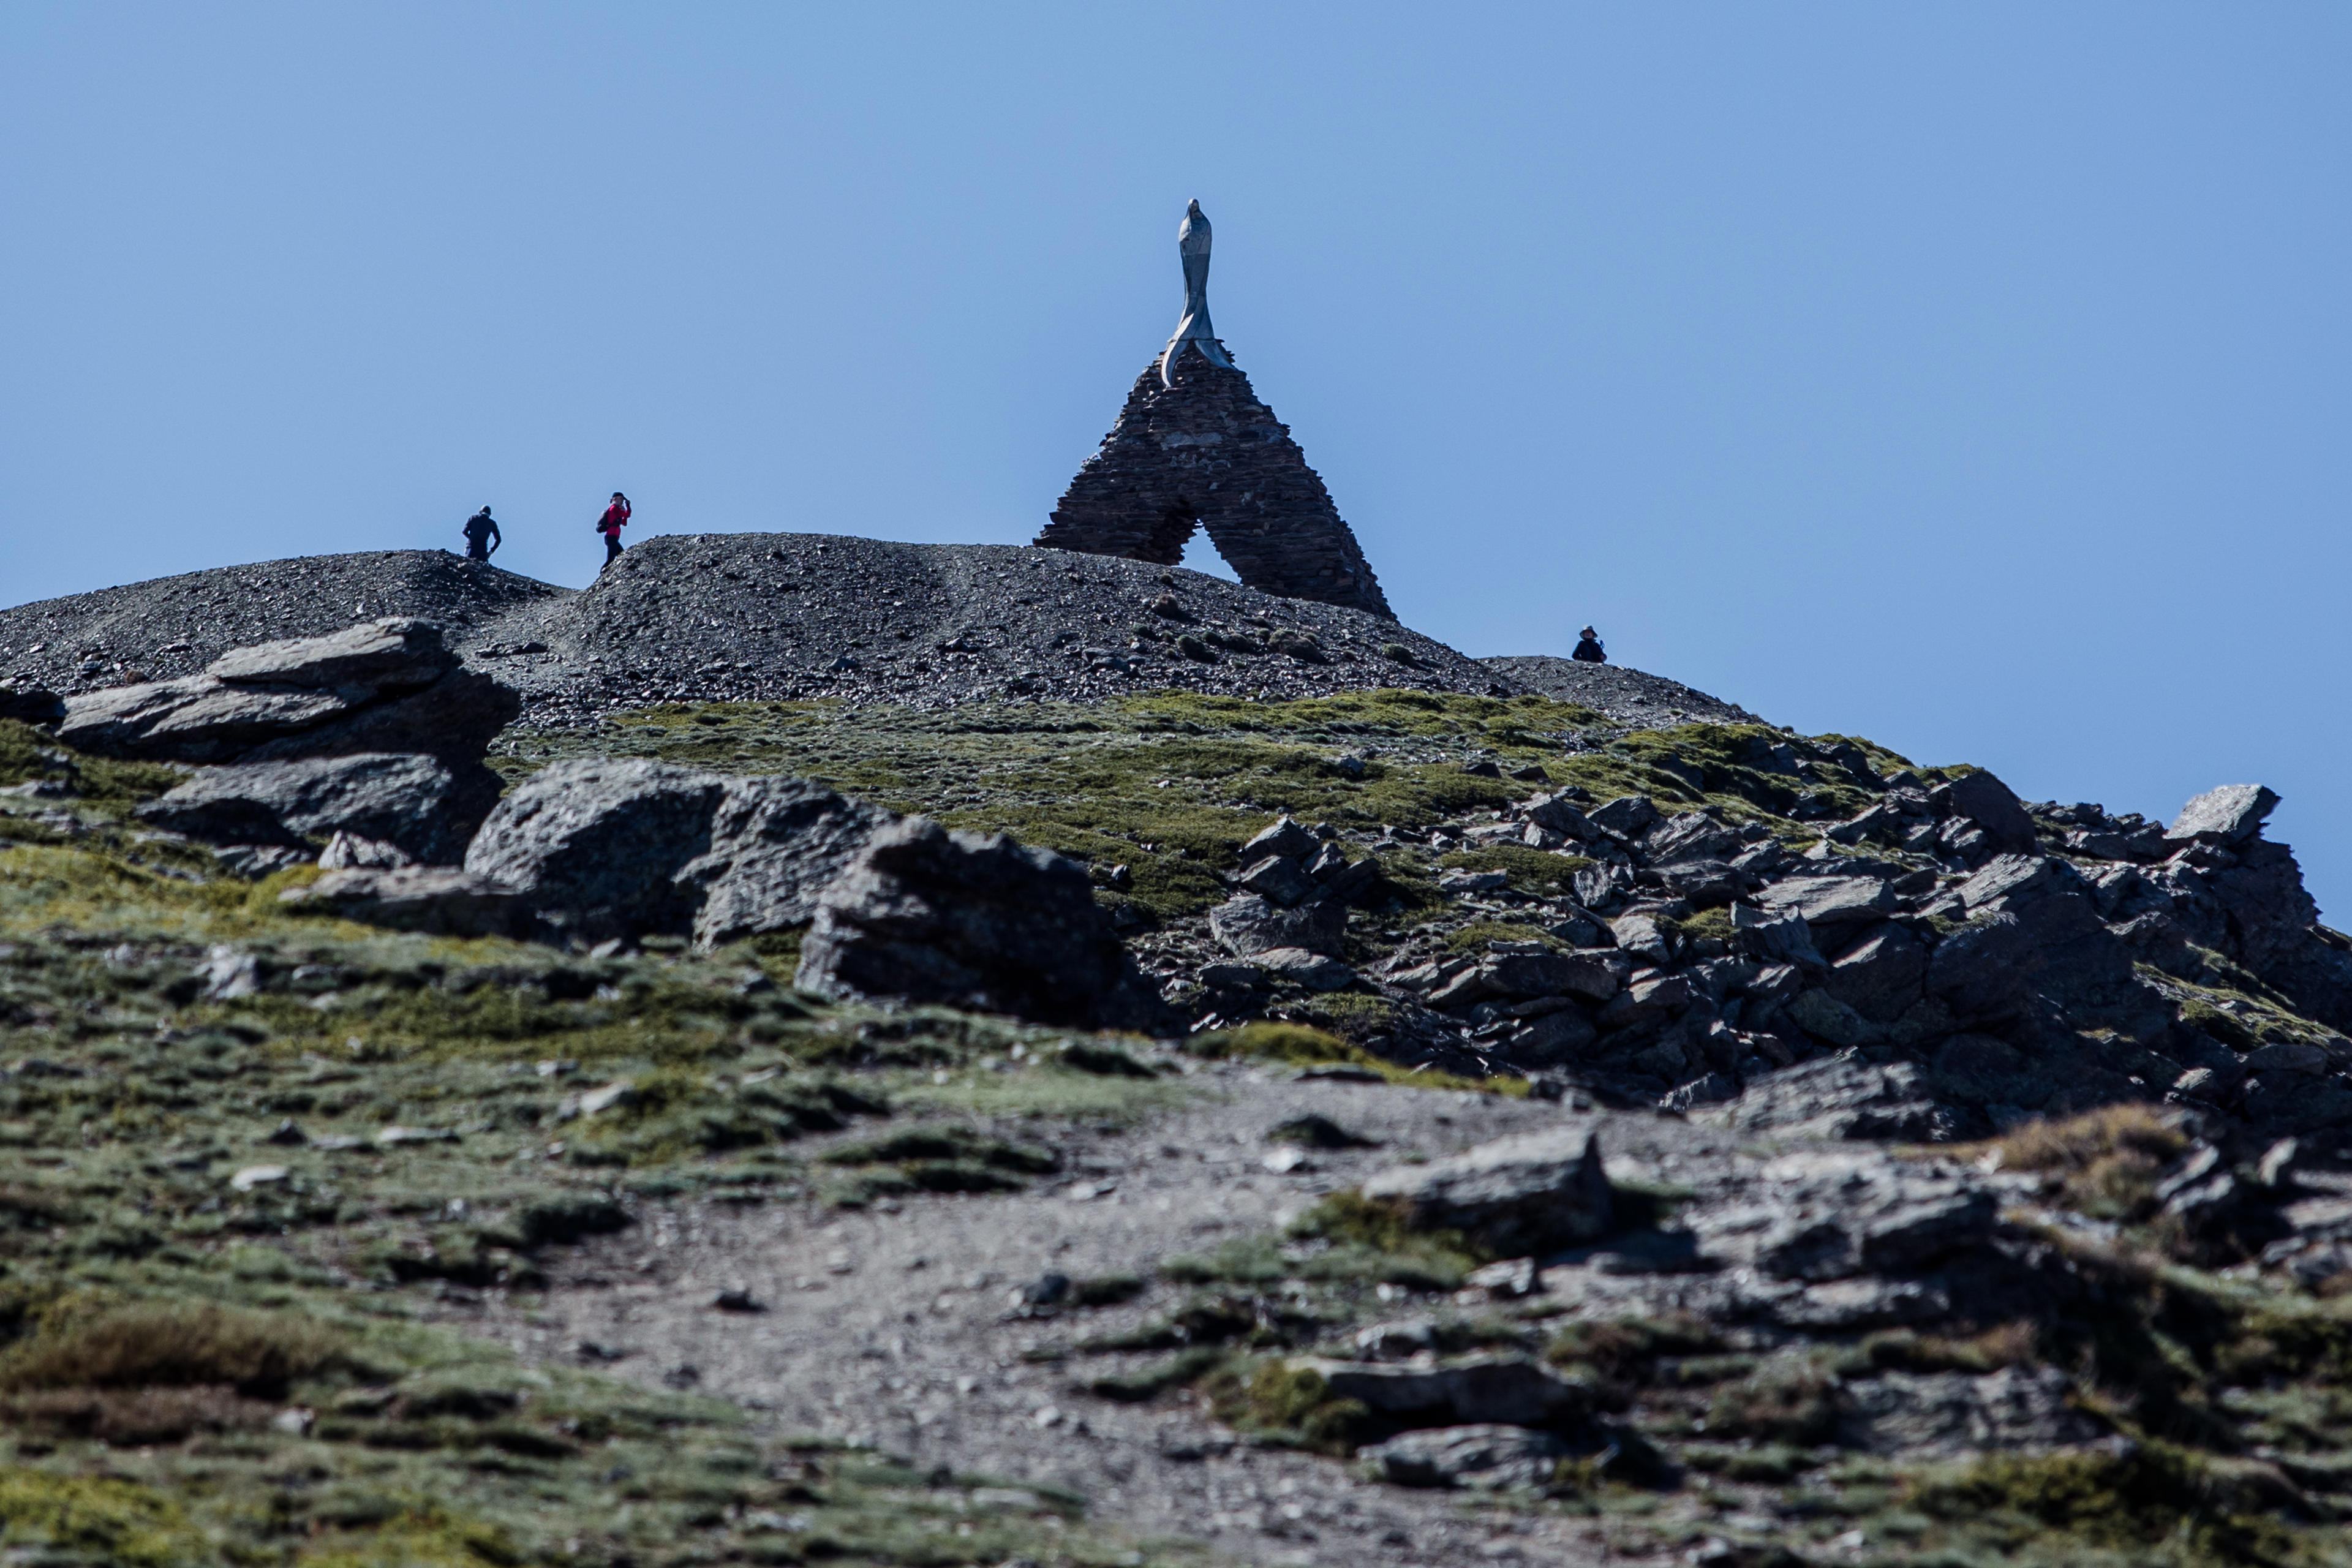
<point>1205,452</point>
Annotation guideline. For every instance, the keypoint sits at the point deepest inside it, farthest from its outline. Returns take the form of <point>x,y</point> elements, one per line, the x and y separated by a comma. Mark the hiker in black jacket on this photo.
<point>1588,650</point>
<point>482,538</point>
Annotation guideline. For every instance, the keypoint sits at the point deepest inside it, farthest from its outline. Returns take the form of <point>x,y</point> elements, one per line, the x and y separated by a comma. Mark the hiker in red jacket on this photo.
<point>615,518</point>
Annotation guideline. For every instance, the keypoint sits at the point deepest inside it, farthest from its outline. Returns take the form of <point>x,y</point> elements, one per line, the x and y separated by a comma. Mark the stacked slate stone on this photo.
<point>1205,452</point>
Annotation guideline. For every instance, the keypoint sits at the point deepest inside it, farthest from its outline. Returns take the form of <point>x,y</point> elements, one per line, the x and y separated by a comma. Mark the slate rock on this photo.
<point>2232,813</point>
<point>1245,925</point>
<point>1488,1457</point>
<point>417,804</point>
<point>1518,1195</point>
<point>1829,900</point>
<point>1829,1214</point>
<point>1279,879</point>
<point>775,844</point>
<point>457,717</point>
<point>1641,936</point>
<point>1625,815</point>
<point>1554,1039</point>
<point>1837,1096</point>
<point>1315,971</point>
<point>396,654</point>
<point>1776,936</point>
<point>1954,1415</point>
<point>1992,806</point>
<point>1475,1390</point>
<point>1286,838</point>
<point>974,921</point>
<point>596,846</point>
<point>197,719</point>
<point>1826,1018</point>
<point>440,900</point>
<point>1880,977</point>
<point>1556,813</point>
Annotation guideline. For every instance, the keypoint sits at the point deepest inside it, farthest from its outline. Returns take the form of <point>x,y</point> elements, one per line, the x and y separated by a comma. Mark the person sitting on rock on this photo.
<point>615,518</point>
<point>482,539</point>
<point>1588,650</point>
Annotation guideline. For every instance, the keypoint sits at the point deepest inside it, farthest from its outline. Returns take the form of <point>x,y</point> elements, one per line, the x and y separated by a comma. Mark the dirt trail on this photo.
<point>898,1328</point>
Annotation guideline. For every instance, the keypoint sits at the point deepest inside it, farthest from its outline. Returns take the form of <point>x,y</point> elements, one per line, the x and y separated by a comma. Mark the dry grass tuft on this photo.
<point>171,1345</point>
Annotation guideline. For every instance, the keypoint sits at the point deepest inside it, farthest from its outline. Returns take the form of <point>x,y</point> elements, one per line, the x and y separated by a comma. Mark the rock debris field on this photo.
<point>819,1049</point>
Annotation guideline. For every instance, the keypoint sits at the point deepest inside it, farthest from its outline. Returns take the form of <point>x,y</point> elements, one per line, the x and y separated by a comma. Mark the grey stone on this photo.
<point>775,845</point>
<point>2232,813</point>
<point>1246,925</point>
<point>1506,1389</point>
<point>1648,999</point>
<point>1625,815</point>
<point>1825,1017</point>
<point>2019,876</point>
<point>1555,812</point>
<point>1829,1214</point>
<point>423,808</point>
<point>1285,837</point>
<point>1641,936</point>
<point>596,846</point>
<point>1848,1306</point>
<point>1829,900</point>
<point>1488,1456</point>
<point>1954,1415</point>
<point>971,920</point>
<point>1515,1195</point>
<point>1992,806</point>
<point>1277,880</point>
<point>386,686</point>
<point>397,654</point>
<point>1315,971</point>
<point>1594,976</point>
<point>1880,977</point>
<point>2287,1056</point>
<point>441,900</point>
<point>1460,882</point>
<point>198,719</point>
<point>1715,1088</point>
<point>1776,936</point>
<point>1553,1038</point>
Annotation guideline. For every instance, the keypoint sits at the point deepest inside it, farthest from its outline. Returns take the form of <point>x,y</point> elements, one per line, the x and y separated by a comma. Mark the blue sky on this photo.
<point>1972,378</point>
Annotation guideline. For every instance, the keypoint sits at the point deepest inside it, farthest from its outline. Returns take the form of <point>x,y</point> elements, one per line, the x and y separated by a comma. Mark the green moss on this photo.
<point>1290,1404</point>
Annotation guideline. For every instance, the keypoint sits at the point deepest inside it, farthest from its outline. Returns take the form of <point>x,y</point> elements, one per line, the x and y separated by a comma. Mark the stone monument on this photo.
<point>1196,449</point>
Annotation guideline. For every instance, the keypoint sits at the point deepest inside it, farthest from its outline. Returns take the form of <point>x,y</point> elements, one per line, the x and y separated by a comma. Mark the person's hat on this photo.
<point>1588,632</point>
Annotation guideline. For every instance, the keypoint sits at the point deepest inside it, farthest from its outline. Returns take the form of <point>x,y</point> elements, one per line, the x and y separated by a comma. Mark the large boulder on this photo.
<point>381,686</point>
<point>596,846</point>
<point>2230,814</point>
<point>1992,806</point>
<point>426,808</point>
<point>1248,924</point>
<point>398,654</point>
<point>1528,1193</point>
<point>775,845</point>
<point>971,920</point>
<point>1834,1215</point>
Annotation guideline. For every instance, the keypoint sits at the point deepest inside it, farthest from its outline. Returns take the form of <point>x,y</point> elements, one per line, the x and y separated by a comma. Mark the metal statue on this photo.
<point>1193,245</point>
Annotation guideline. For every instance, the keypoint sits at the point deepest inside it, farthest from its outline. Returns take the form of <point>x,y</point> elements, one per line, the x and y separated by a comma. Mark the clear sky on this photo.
<point>1969,377</point>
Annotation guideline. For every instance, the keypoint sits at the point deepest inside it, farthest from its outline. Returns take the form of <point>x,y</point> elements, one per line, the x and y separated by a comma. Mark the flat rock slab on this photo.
<point>423,807</point>
<point>1486,1456</point>
<point>1474,1390</point>
<point>1527,1194</point>
<point>1952,1414</point>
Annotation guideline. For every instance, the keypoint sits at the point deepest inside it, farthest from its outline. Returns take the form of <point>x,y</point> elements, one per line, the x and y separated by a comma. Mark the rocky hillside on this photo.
<point>1361,1121</point>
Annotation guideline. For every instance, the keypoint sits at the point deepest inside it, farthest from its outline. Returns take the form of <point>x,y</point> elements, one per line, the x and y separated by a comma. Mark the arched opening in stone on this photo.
<point>1201,555</point>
